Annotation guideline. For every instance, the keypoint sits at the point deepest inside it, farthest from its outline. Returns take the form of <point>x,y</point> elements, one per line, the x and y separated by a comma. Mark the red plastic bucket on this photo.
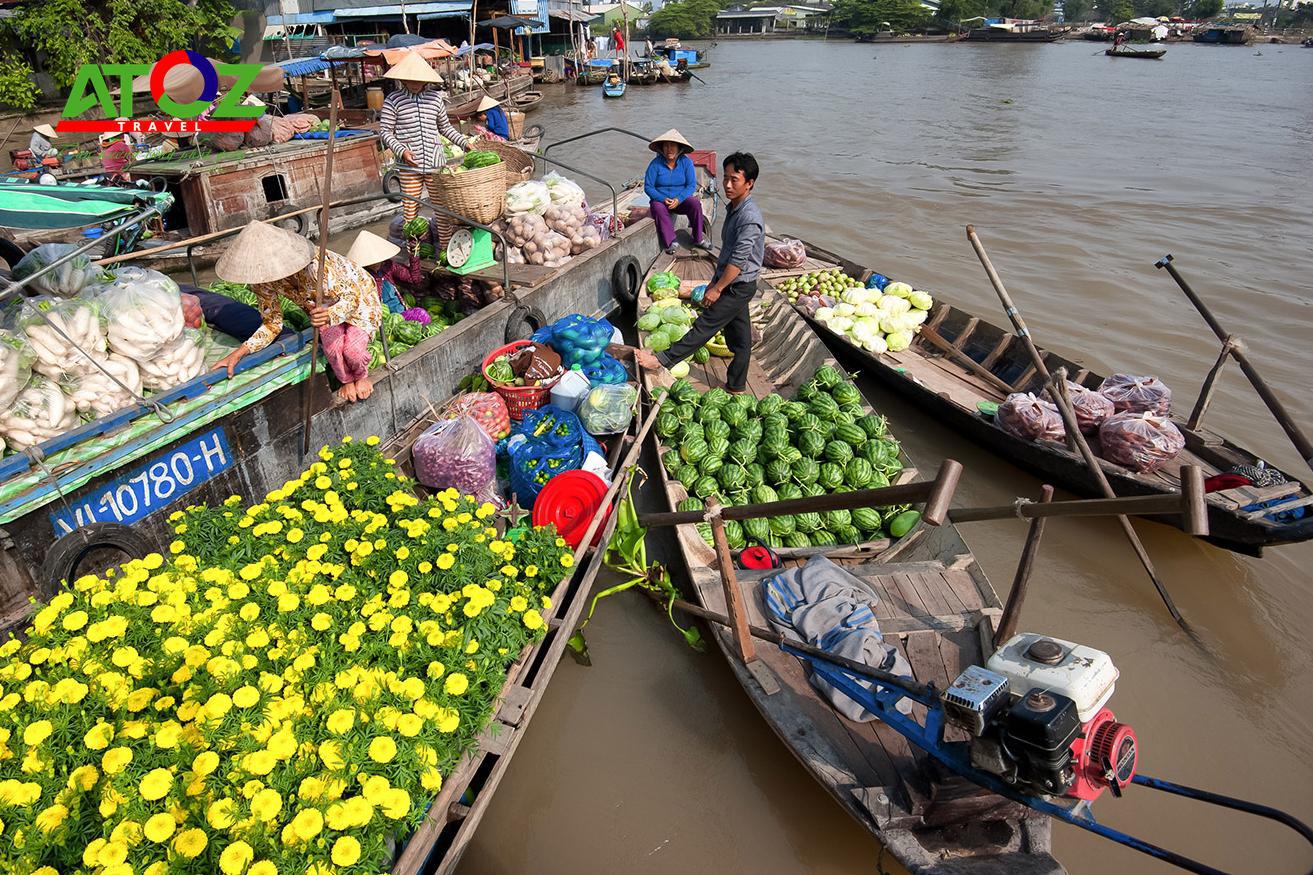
<point>569,501</point>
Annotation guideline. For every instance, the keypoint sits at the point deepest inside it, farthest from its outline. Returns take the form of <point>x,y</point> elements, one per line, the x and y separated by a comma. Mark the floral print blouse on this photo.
<point>350,296</point>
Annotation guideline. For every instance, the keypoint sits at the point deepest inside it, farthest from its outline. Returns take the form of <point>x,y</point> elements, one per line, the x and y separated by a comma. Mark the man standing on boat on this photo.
<point>727,296</point>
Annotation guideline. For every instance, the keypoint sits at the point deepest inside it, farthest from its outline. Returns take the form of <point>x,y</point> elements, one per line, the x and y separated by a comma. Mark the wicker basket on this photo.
<point>519,399</point>
<point>515,120</point>
<point>478,194</point>
<point>519,163</point>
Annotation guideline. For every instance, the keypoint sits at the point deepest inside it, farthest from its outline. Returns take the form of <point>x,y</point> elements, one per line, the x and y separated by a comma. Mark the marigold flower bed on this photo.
<point>282,694</point>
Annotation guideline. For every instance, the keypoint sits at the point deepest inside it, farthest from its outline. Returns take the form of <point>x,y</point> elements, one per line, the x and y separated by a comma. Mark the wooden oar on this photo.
<point>306,393</point>
<point>1236,348</point>
<point>1069,419</point>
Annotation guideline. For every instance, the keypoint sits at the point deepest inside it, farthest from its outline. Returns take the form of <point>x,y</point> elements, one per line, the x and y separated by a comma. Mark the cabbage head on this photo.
<point>867,309</point>
<point>921,300</point>
<point>676,314</point>
<point>895,304</point>
<point>649,321</point>
<point>679,370</point>
<point>841,324</point>
<point>857,296</point>
<point>915,317</point>
<point>844,309</point>
<point>875,344</point>
<point>890,323</point>
<point>898,341</point>
<point>898,290</point>
<point>675,332</point>
<point>824,314</point>
<point>658,341</point>
<point>865,326</point>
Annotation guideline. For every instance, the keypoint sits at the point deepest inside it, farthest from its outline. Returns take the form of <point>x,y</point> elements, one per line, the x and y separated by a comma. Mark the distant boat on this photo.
<point>1226,35</point>
<point>616,89</point>
<point>1128,52</point>
<point>1014,31</point>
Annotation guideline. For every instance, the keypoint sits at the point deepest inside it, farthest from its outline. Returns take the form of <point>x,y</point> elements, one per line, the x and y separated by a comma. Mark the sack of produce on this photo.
<point>1141,441</point>
<point>572,223</point>
<point>63,335</point>
<point>486,408</point>
<point>1027,416</point>
<point>1089,407</point>
<point>95,395</point>
<point>457,454</point>
<point>547,442</point>
<point>15,367</point>
<point>534,363</point>
<point>177,362</point>
<point>562,191</point>
<point>527,197</point>
<point>39,413</point>
<point>520,229</point>
<point>606,370</point>
<point>261,135</point>
<point>143,312</point>
<point>662,286</point>
<point>786,254</point>
<point>550,249</point>
<point>608,409</point>
<point>65,281</point>
<point>1131,394</point>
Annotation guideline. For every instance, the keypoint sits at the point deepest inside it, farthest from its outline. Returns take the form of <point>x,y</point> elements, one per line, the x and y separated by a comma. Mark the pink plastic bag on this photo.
<point>1029,417</point>
<point>1131,394</point>
<point>1141,441</point>
<point>1089,407</point>
<point>786,254</point>
<point>457,453</point>
<point>488,410</point>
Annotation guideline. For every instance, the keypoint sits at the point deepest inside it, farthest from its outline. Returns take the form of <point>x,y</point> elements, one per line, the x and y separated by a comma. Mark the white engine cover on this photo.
<point>1082,674</point>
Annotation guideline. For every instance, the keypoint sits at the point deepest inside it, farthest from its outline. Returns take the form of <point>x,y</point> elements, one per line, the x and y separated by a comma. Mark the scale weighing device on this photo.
<point>468,250</point>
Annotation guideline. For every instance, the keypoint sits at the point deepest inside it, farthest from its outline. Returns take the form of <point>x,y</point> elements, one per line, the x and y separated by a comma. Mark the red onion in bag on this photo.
<point>1026,416</point>
<point>457,454</point>
<point>1129,393</point>
<point>1140,441</point>
<point>1089,407</point>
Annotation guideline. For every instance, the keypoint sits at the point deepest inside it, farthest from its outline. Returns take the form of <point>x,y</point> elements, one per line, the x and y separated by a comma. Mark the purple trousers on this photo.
<point>665,222</point>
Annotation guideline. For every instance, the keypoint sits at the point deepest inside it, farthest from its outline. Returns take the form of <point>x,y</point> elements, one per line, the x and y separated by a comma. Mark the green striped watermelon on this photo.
<point>757,529</point>
<point>667,424</point>
<point>797,539</point>
<point>838,452</point>
<point>704,529</point>
<point>793,410</point>
<point>858,473</point>
<point>831,476</point>
<point>782,525</point>
<point>846,393</point>
<point>789,491</point>
<point>822,538</point>
<point>828,377</point>
<point>778,471</point>
<point>756,474</point>
<point>692,430</point>
<point>811,444</point>
<point>850,434</point>
<point>717,429</point>
<point>806,471</point>
<point>734,415</point>
<point>808,522</point>
<point>847,535</point>
<point>710,465</point>
<point>706,487</point>
<point>790,455</point>
<point>692,451</point>
<point>866,518</point>
<point>769,404</point>
<point>690,504</point>
<point>732,477</point>
<point>836,519</point>
<point>718,447</point>
<point>764,494</point>
<point>743,451</point>
<point>734,535</point>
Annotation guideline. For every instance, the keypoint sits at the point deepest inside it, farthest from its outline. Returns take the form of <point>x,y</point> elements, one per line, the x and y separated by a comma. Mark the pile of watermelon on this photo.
<point>752,451</point>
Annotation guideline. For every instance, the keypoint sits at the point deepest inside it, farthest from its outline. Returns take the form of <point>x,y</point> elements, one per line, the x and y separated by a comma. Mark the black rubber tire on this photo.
<point>66,554</point>
<point>297,224</point>
<point>523,322</point>
<point>534,130</point>
<point>11,252</point>
<point>159,184</point>
<point>625,277</point>
<point>392,184</point>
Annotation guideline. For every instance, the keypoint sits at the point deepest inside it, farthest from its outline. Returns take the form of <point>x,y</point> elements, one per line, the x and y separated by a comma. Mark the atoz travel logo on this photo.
<point>183,84</point>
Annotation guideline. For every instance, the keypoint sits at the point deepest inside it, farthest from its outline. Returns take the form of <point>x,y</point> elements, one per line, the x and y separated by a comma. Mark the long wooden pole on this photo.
<point>327,199</point>
<point>1007,624</point>
<point>1069,419</point>
<point>1283,417</point>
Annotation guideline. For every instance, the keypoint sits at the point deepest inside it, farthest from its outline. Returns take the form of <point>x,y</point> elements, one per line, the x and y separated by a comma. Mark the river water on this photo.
<point>1079,171</point>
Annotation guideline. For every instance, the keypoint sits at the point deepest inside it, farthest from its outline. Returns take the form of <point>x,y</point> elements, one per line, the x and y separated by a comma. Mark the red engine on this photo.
<point>1104,755</point>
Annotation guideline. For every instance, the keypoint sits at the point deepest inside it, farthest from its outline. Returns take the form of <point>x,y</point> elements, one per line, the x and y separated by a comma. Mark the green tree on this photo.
<point>1024,8</point>
<point>1205,8</point>
<point>1077,10</point>
<point>1155,8</point>
<point>953,11</point>
<point>869,17</point>
<point>71,33</point>
<point>1121,10</point>
<point>686,19</point>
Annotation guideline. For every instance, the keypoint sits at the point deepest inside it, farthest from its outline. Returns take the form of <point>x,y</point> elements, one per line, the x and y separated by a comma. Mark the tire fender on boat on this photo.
<point>66,555</point>
<point>523,322</point>
<point>625,277</point>
<point>392,184</point>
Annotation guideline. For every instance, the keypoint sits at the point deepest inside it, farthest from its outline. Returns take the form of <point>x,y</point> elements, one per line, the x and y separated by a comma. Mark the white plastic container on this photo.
<point>1082,674</point>
<point>571,389</point>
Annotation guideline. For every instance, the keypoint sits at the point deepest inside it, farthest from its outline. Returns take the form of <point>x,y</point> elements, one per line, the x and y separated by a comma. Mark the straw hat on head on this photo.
<point>46,131</point>
<point>413,68</point>
<point>671,136</point>
<point>263,253</point>
<point>487,103</point>
<point>369,249</point>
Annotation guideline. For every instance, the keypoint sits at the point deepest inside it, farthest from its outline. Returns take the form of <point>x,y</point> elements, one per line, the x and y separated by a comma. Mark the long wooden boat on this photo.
<point>935,376</point>
<point>936,606</point>
<point>1123,52</point>
<point>527,101</point>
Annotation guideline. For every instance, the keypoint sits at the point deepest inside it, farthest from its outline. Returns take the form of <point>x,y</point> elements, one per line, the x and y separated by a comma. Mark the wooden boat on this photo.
<point>1127,52</point>
<point>527,101</point>
<point>613,89</point>
<point>1016,33</point>
<point>936,605</point>
<point>934,374</point>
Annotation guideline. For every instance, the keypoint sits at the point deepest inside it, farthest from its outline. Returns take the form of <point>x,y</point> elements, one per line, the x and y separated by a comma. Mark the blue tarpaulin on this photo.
<point>323,135</point>
<point>303,66</point>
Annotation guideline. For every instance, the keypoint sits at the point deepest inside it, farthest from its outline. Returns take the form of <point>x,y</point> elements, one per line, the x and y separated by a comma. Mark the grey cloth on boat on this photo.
<point>822,605</point>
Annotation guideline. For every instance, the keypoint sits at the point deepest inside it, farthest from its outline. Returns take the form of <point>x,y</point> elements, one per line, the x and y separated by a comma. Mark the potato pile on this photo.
<point>538,242</point>
<point>572,223</point>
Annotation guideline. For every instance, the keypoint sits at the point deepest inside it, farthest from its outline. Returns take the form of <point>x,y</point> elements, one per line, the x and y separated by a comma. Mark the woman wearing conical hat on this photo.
<point>276,263</point>
<point>671,183</point>
<point>375,255</point>
<point>40,142</point>
<point>412,123</point>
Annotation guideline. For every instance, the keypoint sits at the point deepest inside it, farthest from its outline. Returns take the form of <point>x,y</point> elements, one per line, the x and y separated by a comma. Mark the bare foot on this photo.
<point>364,388</point>
<point>347,392</point>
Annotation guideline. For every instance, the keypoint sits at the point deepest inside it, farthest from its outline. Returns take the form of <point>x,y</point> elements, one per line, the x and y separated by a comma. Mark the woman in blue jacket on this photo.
<point>494,119</point>
<point>671,184</point>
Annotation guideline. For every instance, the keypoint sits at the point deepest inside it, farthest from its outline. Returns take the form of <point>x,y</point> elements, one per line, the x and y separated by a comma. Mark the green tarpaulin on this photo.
<point>61,207</point>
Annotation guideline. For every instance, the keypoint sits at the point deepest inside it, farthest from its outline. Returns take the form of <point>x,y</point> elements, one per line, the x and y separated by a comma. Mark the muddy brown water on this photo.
<point>1079,171</point>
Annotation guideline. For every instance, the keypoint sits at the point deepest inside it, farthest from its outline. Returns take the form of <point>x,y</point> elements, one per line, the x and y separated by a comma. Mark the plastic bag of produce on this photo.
<point>527,197</point>
<point>663,282</point>
<point>1140,441</point>
<point>39,413</point>
<point>608,409</point>
<point>1131,394</point>
<point>535,363</point>
<point>177,362</point>
<point>143,312</point>
<point>63,335</point>
<point>1089,407</point>
<point>15,367</point>
<point>563,192</point>
<point>457,454</point>
<point>261,135</point>
<point>486,408</point>
<point>786,254</point>
<point>65,281</point>
<point>606,370</point>
<point>520,229</point>
<point>547,442</point>
<point>564,219</point>
<point>95,395</point>
<point>550,249</point>
<point>1027,416</point>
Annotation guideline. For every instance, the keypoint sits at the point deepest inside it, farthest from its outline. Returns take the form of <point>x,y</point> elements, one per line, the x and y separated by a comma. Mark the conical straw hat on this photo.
<point>368,248</point>
<point>413,68</point>
<point>263,253</point>
<point>671,136</point>
<point>46,131</point>
<point>487,103</point>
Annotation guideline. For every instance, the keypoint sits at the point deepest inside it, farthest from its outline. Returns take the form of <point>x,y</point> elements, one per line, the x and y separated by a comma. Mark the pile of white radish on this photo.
<point>180,361</point>
<point>96,395</point>
<point>63,336</point>
<point>15,367</point>
<point>143,313</point>
<point>39,413</point>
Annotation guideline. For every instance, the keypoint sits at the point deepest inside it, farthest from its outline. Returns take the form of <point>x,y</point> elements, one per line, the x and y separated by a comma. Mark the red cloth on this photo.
<point>619,39</point>
<point>410,274</point>
<point>115,156</point>
<point>347,349</point>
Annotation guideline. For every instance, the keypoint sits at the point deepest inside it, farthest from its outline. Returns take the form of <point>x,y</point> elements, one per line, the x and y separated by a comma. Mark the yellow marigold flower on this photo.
<point>403,552</point>
<point>115,759</point>
<point>448,720</point>
<point>251,571</point>
<point>410,725</point>
<point>519,603</point>
<point>372,440</point>
<point>567,560</point>
<point>533,620</point>
<point>346,851</point>
<point>294,536</point>
<point>266,805</point>
<point>152,561</point>
<point>341,721</point>
<point>321,621</point>
<point>235,858</point>
<point>168,734</point>
<point>156,784</point>
<point>249,612</point>
<point>218,705</point>
<point>160,828</point>
<point>431,780</point>
<point>531,571</point>
<point>50,819</point>
<point>191,842</point>
<point>330,753</point>
<point>37,732</point>
<point>112,854</point>
<point>382,749</point>
<point>75,621</point>
<point>220,814</point>
<point>395,803</point>
<point>205,763</point>
<point>263,867</point>
<point>446,561</point>
<point>83,778</point>
<point>398,578</point>
<point>307,824</point>
<point>176,547</point>
<point>261,762</point>
<point>456,683</point>
<point>246,696</point>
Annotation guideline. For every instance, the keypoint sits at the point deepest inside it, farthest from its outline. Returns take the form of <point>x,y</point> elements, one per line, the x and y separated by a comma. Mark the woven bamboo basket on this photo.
<point>478,194</point>
<point>519,163</point>
<point>515,120</point>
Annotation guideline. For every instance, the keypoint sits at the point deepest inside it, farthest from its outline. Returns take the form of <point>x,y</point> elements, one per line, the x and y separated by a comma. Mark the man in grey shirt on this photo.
<point>742,247</point>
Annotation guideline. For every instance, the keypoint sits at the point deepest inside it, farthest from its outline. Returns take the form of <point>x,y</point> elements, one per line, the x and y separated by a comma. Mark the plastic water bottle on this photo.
<point>571,389</point>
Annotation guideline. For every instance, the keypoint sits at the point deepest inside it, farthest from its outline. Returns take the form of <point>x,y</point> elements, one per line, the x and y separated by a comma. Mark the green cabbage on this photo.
<point>899,290</point>
<point>921,300</point>
<point>898,340</point>
<point>649,321</point>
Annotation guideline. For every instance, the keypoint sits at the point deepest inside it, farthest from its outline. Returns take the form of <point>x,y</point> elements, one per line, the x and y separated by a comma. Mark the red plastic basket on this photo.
<point>518,398</point>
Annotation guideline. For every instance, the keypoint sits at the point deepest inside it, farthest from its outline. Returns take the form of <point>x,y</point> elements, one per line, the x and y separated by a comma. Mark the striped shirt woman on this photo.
<point>413,121</point>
